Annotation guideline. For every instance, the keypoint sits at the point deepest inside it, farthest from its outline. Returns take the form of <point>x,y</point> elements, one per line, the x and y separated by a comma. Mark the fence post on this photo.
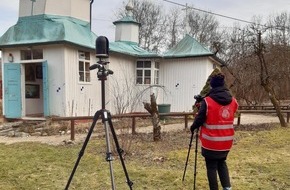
<point>185,121</point>
<point>72,128</point>
<point>239,118</point>
<point>133,125</point>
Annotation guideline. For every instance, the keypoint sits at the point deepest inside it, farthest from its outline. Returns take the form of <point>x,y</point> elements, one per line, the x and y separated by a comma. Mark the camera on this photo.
<point>102,47</point>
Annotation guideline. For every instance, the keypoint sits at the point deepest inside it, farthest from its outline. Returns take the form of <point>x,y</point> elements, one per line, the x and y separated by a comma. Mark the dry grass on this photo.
<point>260,159</point>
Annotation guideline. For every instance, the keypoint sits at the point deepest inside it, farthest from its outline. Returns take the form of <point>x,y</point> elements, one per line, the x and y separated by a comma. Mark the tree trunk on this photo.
<point>152,109</point>
<point>266,83</point>
<point>267,86</point>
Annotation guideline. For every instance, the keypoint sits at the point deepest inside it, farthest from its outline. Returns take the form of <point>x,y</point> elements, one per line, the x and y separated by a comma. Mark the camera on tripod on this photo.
<point>102,52</point>
<point>102,49</point>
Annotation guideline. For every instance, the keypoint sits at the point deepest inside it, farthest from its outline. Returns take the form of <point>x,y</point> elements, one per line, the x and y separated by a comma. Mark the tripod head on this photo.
<point>102,72</point>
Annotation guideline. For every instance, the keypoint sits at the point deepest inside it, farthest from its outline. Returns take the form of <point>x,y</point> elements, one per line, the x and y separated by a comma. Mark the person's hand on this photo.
<point>192,129</point>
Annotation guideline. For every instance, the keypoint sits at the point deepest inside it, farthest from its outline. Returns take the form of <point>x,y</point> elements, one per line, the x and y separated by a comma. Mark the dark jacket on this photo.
<point>222,96</point>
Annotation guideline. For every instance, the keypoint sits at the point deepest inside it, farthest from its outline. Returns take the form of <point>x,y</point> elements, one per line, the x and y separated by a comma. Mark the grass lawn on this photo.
<point>260,159</point>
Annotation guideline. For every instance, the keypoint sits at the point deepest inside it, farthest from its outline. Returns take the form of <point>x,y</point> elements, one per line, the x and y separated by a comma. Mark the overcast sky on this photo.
<point>104,11</point>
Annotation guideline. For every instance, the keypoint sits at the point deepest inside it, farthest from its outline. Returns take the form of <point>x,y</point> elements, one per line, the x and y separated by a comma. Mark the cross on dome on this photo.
<point>129,8</point>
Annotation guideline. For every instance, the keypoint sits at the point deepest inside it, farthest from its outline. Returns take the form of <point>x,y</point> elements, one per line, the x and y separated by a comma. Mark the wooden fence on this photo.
<point>263,107</point>
<point>185,115</point>
<point>72,120</point>
<point>287,112</point>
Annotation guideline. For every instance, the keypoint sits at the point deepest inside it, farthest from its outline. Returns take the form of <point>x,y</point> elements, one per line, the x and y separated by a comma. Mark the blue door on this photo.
<point>45,89</point>
<point>12,90</point>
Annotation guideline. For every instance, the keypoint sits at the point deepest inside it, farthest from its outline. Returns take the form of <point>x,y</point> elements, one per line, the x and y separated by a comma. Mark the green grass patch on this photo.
<point>258,160</point>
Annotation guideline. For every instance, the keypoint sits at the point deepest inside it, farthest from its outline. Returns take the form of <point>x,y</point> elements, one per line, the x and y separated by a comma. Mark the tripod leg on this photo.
<point>188,153</point>
<point>120,152</point>
<point>195,159</point>
<point>109,157</point>
<point>81,153</point>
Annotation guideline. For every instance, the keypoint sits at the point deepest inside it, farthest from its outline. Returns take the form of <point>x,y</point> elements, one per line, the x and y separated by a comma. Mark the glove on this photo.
<point>192,128</point>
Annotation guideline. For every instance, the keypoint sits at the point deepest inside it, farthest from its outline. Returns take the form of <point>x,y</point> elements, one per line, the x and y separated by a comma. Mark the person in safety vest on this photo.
<point>216,119</point>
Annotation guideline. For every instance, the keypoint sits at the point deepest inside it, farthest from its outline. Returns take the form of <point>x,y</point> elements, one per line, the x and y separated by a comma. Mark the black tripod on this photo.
<point>198,99</point>
<point>195,157</point>
<point>106,120</point>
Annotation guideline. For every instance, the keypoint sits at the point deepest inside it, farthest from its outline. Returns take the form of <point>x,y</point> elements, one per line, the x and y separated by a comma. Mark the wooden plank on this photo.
<point>259,107</point>
<point>262,111</point>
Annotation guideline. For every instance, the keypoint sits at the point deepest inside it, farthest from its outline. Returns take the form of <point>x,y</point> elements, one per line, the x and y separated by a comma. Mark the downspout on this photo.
<point>91,4</point>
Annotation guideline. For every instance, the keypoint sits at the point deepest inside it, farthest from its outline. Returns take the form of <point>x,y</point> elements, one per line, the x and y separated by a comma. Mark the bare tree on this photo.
<point>153,24</point>
<point>255,67</point>
<point>278,40</point>
<point>204,28</point>
<point>126,95</point>
<point>175,27</point>
<point>266,79</point>
<point>152,109</point>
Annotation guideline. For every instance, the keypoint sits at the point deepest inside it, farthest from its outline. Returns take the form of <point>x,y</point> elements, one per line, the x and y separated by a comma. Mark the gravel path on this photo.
<point>64,139</point>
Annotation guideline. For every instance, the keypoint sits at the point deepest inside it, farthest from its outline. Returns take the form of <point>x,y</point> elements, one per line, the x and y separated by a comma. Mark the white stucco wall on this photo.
<point>123,85</point>
<point>183,78</point>
<point>122,90</point>
<point>55,58</point>
<point>81,98</point>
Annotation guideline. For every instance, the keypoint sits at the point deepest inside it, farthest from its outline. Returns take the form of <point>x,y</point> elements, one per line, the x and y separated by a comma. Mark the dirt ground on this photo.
<point>246,119</point>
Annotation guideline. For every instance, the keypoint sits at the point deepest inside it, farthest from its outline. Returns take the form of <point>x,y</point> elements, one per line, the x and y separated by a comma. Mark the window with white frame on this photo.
<point>84,64</point>
<point>31,54</point>
<point>147,72</point>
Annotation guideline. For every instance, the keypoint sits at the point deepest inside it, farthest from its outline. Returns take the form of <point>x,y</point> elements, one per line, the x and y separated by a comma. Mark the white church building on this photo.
<point>46,57</point>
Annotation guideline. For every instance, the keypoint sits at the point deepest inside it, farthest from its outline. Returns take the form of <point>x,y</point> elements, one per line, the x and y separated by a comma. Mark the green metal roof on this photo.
<point>131,48</point>
<point>51,29</point>
<point>43,29</point>
<point>187,47</point>
<point>127,19</point>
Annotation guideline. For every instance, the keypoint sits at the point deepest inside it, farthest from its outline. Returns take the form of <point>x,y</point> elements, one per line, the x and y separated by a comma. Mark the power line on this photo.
<point>208,12</point>
<point>100,19</point>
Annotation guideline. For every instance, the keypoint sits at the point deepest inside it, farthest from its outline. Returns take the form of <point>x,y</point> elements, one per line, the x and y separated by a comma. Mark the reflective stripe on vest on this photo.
<point>219,126</point>
<point>226,138</point>
<point>218,131</point>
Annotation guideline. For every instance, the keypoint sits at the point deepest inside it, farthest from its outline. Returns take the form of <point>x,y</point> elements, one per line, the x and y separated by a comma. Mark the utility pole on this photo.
<point>187,27</point>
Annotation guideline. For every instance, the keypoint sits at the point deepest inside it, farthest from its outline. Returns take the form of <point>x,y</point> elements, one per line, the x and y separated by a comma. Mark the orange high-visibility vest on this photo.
<point>217,133</point>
